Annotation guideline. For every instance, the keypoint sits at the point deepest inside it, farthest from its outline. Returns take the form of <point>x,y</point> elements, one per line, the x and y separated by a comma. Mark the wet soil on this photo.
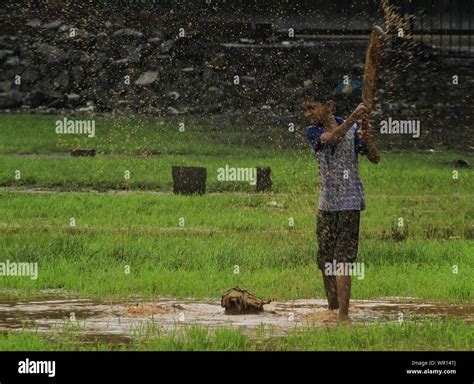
<point>119,320</point>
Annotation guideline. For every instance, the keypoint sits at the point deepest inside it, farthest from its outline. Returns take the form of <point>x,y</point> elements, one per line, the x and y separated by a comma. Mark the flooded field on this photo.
<point>117,321</point>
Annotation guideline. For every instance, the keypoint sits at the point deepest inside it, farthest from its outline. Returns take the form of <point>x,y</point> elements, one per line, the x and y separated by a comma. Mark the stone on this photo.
<point>4,53</point>
<point>189,180</point>
<point>127,33</point>
<point>51,53</point>
<point>61,81</point>
<point>7,42</point>
<point>155,41</point>
<point>11,99</point>
<point>6,86</point>
<point>35,23</point>
<point>263,30</point>
<point>155,61</point>
<point>67,28</point>
<point>34,99</point>
<point>173,95</point>
<point>459,163</point>
<point>172,111</point>
<point>73,99</point>
<point>53,25</point>
<point>29,75</point>
<point>89,108</point>
<point>167,46</point>
<point>264,180</point>
<point>83,153</point>
<point>77,74</point>
<point>134,54</point>
<point>60,102</point>
<point>13,61</point>
<point>192,48</point>
<point>120,63</point>
<point>147,78</point>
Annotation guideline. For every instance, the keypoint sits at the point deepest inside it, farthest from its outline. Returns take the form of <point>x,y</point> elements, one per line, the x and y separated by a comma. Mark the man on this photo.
<point>336,143</point>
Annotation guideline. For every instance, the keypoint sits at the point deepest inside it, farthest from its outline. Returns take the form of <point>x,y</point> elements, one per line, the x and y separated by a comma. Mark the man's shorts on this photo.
<point>338,236</point>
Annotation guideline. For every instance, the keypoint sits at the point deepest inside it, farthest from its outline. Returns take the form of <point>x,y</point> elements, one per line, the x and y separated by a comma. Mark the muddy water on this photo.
<point>117,321</point>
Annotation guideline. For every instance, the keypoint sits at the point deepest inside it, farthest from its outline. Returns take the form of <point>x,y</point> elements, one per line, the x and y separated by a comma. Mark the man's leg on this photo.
<point>326,230</point>
<point>344,295</point>
<point>330,286</point>
<point>347,241</point>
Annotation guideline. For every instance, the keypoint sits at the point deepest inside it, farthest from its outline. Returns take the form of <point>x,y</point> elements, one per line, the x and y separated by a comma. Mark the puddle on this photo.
<point>115,322</point>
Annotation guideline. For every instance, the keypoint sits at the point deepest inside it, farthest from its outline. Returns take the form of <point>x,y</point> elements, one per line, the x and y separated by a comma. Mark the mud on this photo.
<point>118,321</point>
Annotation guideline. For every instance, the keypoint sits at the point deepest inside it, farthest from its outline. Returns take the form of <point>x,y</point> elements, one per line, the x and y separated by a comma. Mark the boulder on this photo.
<point>13,61</point>
<point>11,99</point>
<point>6,86</point>
<point>147,78</point>
<point>189,180</point>
<point>53,25</point>
<point>35,23</point>
<point>127,33</point>
<point>4,53</point>
<point>49,98</point>
<point>264,180</point>
<point>51,53</point>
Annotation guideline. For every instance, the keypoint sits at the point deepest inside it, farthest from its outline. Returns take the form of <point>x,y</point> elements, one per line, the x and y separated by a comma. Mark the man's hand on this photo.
<point>335,135</point>
<point>361,112</point>
<point>365,130</point>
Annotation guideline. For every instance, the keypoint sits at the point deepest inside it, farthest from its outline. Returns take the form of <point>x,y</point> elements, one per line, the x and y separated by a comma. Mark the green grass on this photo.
<point>295,173</point>
<point>138,135</point>
<point>30,145</point>
<point>141,229</point>
<point>423,218</point>
<point>198,260</point>
<point>441,335</point>
<point>30,341</point>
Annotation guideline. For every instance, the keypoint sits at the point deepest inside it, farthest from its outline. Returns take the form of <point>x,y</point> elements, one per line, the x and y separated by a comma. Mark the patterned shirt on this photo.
<point>340,184</point>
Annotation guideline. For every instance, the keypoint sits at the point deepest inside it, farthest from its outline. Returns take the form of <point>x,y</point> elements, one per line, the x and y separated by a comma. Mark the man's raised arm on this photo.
<point>336,132</point>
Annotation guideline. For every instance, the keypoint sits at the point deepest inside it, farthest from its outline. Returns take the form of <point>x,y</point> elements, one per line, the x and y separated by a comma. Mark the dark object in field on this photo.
<point>83,152</point>
<point>237,301</point>
<point>263,30</point>
<point>189,180</point>
<point>400,234</point>
<point>264,180</point>
<point>461,164</point>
